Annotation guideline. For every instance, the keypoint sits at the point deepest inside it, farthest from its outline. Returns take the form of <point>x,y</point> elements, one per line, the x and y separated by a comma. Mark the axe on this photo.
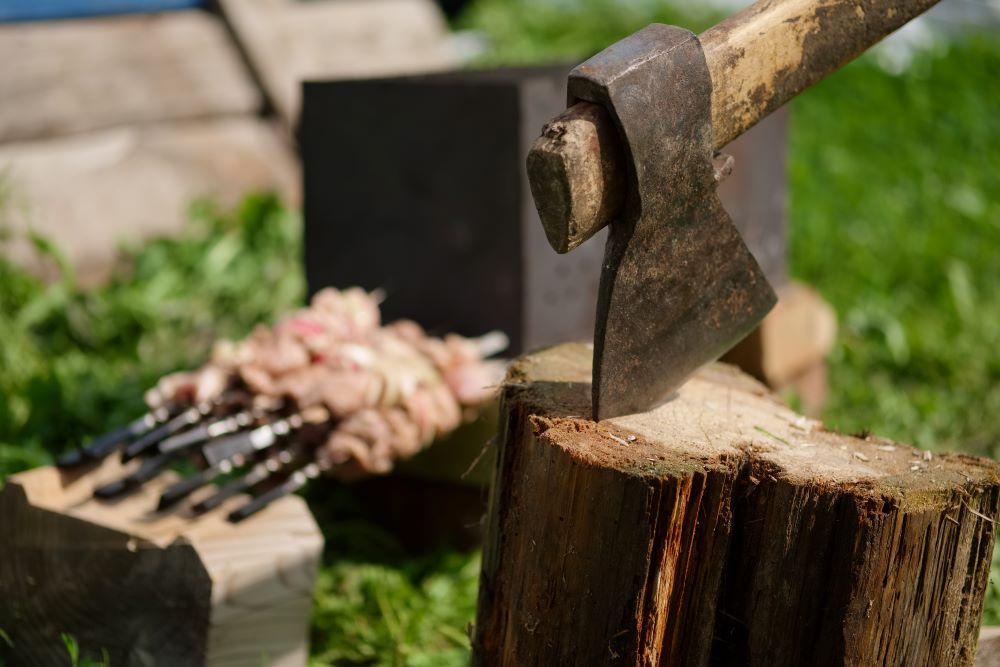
<point>637,149</point>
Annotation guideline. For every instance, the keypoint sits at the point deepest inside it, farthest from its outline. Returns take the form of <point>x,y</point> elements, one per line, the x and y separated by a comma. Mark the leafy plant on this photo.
<point>378,604</point>
<point>74,362</point>
<point>895,218</point>
<point>73,649</point>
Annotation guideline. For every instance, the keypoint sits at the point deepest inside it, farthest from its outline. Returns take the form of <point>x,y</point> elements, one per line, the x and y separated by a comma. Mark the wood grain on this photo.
<point>722,528</point>
<point>758,59</point>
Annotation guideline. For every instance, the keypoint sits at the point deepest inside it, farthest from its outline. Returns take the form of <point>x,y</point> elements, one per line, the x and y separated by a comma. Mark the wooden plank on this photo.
<point>93,191</point>
<point>288,42</point>
<point>69,76</point>
<point>794,337</point>
<point>722,528</point>
<point>117,575</point>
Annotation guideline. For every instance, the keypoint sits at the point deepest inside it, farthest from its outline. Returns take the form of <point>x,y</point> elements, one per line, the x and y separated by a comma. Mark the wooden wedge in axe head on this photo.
<point>637,146</point>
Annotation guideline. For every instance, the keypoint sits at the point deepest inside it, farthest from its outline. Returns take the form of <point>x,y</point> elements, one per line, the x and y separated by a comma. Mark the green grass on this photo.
<point>895,210</point>
<point>895,218</point>
<point>538,31</point>
<point>405,612</point>
<point>376,603</point>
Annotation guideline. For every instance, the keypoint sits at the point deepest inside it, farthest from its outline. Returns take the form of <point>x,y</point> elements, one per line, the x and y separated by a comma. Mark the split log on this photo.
<point>722,528</point>
<point>150,588</point>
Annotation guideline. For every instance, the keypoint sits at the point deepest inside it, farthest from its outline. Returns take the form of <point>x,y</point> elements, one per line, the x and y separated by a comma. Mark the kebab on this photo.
<point>328,390</point>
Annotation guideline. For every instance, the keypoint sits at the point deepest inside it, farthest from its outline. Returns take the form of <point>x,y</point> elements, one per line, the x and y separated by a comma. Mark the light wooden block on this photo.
<point>62,77</point>
<point>288,41</point>
<point>789,348</point>
<point>151,588</point>
<point>91,192</point>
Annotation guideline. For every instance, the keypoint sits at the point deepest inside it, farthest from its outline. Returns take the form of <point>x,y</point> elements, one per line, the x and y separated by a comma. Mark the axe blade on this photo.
<point>678,285</point>
<point>674,298</point>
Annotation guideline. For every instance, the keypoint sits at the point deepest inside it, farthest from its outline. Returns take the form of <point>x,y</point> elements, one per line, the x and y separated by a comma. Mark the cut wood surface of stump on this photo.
<point>722,528</point>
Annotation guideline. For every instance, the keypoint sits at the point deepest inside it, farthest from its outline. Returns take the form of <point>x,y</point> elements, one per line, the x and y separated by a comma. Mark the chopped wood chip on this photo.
<point>800,422</point>
<point>768,433</point>
<point>928,456</point>
<point>859,455</point>
<point>979,514</point>
<point>617,439</point>
<point>887,448</point>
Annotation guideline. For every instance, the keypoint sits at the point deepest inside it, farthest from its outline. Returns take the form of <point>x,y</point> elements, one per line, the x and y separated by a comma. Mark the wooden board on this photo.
<point>288,42</point>
<point>91,192</point>
<point>151,587</point>
<point>65,77</point>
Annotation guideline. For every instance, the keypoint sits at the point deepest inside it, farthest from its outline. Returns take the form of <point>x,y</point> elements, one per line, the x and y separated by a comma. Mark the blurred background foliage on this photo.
<point>895,218</point>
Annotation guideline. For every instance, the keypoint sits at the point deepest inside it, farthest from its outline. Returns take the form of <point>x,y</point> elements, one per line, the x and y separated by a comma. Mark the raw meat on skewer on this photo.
<point>330,383</point>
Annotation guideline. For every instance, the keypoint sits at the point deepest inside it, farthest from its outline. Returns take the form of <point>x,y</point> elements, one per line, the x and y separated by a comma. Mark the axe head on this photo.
<point>678,285</point>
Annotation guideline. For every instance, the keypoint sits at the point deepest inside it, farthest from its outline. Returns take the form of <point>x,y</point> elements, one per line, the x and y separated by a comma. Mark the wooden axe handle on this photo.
<point>758,59</point>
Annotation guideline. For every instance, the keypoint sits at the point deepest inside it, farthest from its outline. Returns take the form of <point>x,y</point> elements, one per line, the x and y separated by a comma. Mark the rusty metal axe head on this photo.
<point>678,285</point>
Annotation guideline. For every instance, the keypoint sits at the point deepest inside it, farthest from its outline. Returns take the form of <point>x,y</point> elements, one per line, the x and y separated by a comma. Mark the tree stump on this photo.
<point>150,588</point>
<point>722,529</point>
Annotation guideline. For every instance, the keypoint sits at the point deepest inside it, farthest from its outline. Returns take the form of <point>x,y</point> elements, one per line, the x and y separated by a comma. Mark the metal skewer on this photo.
<point>149,469</point>
<point>257,474</point>
<point>226,453</point>
<point>189,417</point>
<point>189,485</point>
<point>251,441</point>
<point>100,447</point>
<point>207,432</point>
<point>296,481</point>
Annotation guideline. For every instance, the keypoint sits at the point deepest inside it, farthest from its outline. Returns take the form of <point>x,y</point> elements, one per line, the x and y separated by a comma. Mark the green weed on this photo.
<point>73,649</point>
<point>74,362</point>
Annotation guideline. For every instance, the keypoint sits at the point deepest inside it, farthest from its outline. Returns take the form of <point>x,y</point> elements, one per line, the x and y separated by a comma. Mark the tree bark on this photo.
<point>723,529</point>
